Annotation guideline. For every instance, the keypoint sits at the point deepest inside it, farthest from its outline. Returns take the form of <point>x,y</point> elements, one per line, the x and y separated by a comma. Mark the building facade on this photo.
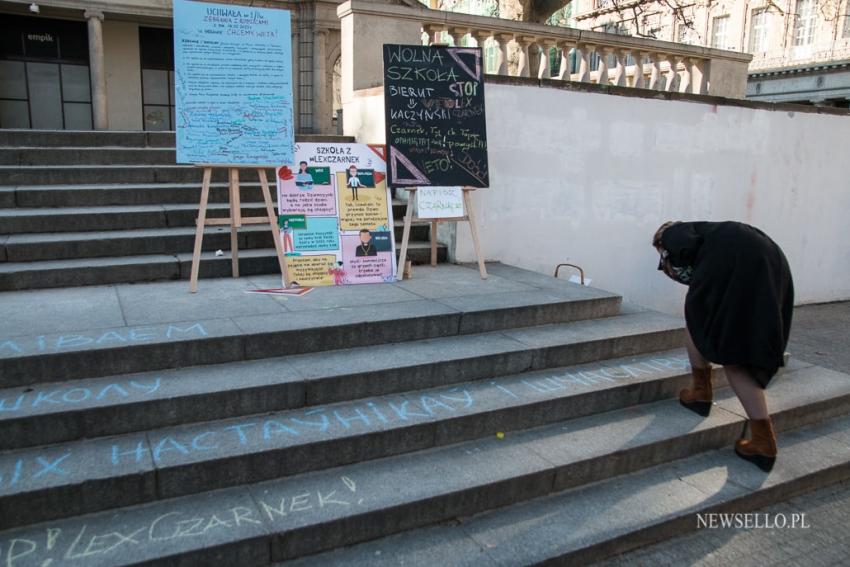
<point>800,48</point>
<point>78,65</point>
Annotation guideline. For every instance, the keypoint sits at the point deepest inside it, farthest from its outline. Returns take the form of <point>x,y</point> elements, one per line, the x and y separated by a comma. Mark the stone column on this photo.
<point>544,70</point>
<point>321,109</point>
<point>584,52</point>
<point>457,35</point>
<point>603,66</point>
<point>639,81</point>
<point>523,69</point>
<point>698,82</point>
<point>565,71</point>
<point>619,68</point>
<point>685,80</point>
<point>503,39</point>
<point>655,71</point>
<point>672,74</point>
<point>481,37</point>
<point>97,69</point>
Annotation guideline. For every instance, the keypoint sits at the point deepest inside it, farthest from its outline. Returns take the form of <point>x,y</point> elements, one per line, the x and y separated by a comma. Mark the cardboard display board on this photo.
<point>233,106</point>
<point>233,84</point>
<point>335,215</point>
<point>436,129</point>
<point>439,202</point>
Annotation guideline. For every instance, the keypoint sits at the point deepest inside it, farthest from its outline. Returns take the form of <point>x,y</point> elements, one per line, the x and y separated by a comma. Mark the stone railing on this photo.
<point>522,49</point>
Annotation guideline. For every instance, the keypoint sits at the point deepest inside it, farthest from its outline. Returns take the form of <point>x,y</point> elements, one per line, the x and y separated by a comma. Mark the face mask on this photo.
<point>681,275</point>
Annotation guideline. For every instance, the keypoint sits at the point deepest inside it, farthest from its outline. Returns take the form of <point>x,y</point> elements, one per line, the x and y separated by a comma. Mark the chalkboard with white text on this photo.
<point>435,123</point>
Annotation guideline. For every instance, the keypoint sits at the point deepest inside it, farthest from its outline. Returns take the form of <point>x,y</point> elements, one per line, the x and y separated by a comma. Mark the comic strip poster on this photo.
<point>335,215</point>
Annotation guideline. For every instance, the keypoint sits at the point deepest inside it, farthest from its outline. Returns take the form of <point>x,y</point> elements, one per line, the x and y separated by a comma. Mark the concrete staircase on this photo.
<point>440,420</point>
<point>83,208</point>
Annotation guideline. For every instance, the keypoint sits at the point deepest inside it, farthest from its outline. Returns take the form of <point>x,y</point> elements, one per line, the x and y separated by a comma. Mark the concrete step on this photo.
<point>21,248</point>
<point>102,174</point>
<point>297,516</point>
<point>169,328</point>
<point>106,218</point>
<point>217,454</point>
<point>75,219</point>
<point>84,138</point>
<point>152,267</point>
<point>96,195</point>
<point>609,518</point>
<point>42,414</point>
<point>87,156</point>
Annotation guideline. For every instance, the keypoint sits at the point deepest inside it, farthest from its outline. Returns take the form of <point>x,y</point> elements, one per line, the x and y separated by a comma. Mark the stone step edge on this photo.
<point>289,445</point>
<point>216,341</point>
<point>467,541</point>
<point>75,408</point>
<point>349,518</point>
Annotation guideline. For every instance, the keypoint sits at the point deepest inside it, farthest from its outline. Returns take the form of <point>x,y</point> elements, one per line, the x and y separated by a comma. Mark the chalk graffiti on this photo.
<point>89,539</point>
<point>314,424</point>
<point>48,344</point>
<point>78,395</point>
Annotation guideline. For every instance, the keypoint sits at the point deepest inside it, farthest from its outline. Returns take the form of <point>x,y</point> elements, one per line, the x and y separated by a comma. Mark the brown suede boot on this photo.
<point>760,449</point>
<point>698,398</point>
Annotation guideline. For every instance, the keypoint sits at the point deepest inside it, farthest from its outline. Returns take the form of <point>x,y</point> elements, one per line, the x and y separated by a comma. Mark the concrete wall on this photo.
<point>123,75</point>
<point>587,177</point>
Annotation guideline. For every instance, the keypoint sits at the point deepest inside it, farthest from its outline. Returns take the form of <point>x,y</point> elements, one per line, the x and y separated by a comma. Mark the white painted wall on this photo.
<point>587,178</point>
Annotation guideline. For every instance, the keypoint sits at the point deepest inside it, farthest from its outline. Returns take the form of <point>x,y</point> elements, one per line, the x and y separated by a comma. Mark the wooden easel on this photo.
<point>235,220</point>
<point>469,217</point>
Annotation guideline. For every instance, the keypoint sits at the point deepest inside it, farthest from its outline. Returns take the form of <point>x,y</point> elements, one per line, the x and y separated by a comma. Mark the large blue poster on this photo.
<point>233,84</point>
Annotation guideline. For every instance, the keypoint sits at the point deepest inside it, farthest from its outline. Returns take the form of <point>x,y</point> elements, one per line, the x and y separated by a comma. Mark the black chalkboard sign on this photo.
<point>436,131</point>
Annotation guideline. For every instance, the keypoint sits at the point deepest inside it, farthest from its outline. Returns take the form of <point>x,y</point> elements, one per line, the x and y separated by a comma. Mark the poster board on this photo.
<point>335,215</point>
<point>439,202</point>
<point>233,84</point>
<point>435,123</point>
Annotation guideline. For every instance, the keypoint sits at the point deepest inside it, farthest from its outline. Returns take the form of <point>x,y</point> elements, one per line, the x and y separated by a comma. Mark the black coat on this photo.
<point>741,296</point>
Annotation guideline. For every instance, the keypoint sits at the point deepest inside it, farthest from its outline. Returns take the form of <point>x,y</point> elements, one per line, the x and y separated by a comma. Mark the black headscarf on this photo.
<point>740,293</point>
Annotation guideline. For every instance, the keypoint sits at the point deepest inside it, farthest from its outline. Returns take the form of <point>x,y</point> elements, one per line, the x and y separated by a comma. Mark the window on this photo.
<point>686,34</point>
<point>804,24</point>
<point>719,27</point>
<point>156,48</point>
<point>44,74</point>
<point>758,31</point>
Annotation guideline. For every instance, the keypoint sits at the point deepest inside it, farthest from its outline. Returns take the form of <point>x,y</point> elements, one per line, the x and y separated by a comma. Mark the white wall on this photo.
<point>587,178</point>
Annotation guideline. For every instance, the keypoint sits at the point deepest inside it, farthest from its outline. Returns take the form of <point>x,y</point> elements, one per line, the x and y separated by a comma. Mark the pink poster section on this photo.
<point>335,215</point>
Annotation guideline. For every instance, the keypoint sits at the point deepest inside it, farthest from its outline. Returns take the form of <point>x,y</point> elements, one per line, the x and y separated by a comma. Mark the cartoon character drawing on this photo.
<point>303,179</point>
<point>338,273</point>
<point>353,181</point>
<point>366,247</point>
<point>287,230</point>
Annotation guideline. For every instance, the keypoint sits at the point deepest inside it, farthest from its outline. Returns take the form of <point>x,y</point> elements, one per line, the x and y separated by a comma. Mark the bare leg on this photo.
<point>696,358</point>
<point>749,392</point>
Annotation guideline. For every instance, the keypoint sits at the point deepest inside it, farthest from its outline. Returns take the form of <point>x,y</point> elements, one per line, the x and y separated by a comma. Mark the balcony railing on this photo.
<point>523,49</point>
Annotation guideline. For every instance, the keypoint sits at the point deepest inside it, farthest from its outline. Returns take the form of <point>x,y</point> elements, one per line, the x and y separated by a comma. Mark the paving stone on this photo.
<point>151,304</point>
<point>456,281</point>
<point>74,309</point>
